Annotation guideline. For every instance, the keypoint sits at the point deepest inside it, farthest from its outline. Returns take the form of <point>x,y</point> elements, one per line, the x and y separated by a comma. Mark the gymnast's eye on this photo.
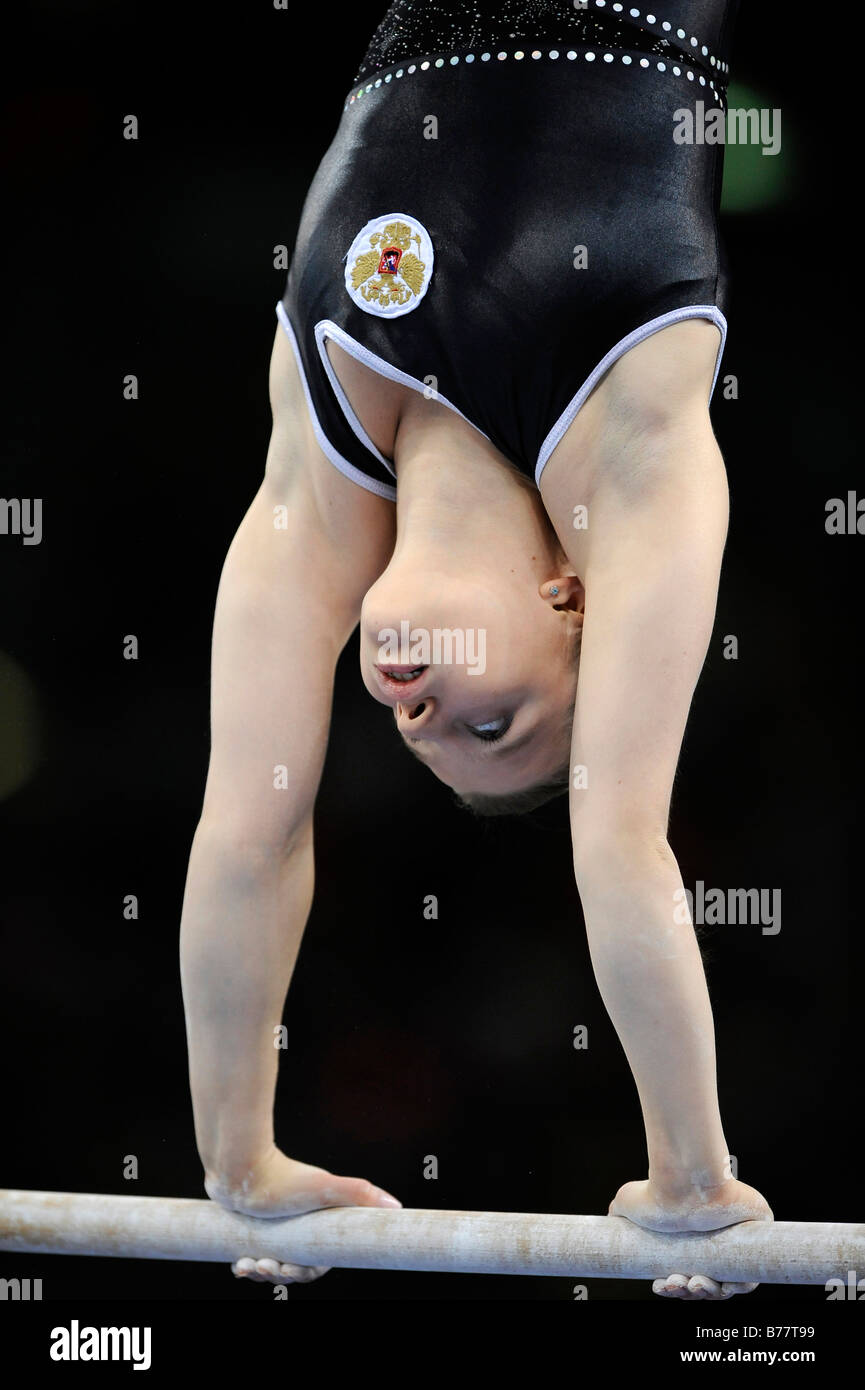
<point>490,731</point>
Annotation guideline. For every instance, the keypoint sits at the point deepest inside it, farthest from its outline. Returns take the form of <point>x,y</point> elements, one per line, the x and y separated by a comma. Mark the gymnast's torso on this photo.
<point>504,210</point>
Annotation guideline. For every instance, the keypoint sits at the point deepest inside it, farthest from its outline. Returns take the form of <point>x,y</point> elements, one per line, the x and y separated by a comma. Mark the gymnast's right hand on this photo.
<point>277,1185</point>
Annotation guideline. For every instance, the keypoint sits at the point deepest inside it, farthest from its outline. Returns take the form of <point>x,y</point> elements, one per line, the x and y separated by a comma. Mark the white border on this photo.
<point>343,465</point>
<point>377,224</point>
<point>326,328</point>
<point>569,414</point>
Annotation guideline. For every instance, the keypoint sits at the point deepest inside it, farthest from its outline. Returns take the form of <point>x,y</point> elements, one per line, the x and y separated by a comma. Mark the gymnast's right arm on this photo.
<point>310,545</point>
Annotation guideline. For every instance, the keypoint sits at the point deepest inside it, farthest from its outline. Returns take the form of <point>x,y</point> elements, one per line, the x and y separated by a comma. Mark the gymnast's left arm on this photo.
<point>651,573</point>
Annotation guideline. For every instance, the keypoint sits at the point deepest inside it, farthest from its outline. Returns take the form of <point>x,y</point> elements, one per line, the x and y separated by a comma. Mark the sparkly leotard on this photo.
<point>507,206</point>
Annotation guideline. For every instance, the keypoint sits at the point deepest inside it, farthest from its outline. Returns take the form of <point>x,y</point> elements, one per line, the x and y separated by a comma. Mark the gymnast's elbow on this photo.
<point>609,851</point>
<point>242,847</point>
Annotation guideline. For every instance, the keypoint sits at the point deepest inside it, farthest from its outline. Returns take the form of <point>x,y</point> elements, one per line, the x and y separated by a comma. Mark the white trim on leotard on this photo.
<point>569,414</point>
<point>326,328</point>
<point>348,469</point>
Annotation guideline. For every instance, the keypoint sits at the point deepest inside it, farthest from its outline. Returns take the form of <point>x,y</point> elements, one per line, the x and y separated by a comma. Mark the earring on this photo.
<point>554,589</point>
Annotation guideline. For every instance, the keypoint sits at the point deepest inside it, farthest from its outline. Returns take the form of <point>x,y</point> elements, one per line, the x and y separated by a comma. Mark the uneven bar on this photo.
<point>456,1242</point>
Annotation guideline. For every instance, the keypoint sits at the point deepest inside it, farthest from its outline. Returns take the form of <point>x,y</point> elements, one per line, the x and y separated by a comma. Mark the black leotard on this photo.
<point>504,210</point>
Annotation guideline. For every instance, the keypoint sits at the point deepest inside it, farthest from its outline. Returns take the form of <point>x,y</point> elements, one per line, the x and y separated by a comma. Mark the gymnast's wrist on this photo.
<point>234,1170</point>
<point>670,1183</point>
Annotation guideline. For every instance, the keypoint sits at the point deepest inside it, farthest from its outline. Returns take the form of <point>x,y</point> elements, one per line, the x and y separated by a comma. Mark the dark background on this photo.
<point>407,1037</point>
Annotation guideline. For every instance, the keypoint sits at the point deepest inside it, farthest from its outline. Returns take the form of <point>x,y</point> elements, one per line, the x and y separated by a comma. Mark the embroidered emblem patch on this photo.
<point>389,265</point>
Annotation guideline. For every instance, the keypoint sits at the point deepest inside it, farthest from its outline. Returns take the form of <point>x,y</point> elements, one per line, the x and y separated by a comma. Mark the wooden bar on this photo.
<point>456,1242</point>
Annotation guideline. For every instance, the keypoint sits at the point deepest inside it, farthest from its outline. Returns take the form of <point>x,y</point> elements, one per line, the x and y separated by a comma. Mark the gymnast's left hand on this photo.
<point>276,1185</point>
<point>725,1205</point>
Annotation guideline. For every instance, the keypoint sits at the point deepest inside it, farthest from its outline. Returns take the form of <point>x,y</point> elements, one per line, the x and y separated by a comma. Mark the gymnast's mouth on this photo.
<point>401,680</point>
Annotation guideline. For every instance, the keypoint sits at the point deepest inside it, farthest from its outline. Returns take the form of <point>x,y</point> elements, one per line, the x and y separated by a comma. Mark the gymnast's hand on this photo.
<point>725,1205</point>
<point>281,1186</point>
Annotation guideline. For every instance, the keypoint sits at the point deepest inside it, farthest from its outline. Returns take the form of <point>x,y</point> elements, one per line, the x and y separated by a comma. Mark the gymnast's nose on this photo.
<point>412,719</point>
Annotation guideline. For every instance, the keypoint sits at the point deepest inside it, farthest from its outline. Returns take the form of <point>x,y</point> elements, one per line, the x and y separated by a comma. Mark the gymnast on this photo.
<point>490,384</point>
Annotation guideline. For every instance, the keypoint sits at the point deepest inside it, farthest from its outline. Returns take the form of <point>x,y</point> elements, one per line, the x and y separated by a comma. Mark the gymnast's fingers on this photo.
<point>701,1286</point>
<point>696,1287</point>
<point>268,1271</point>
<point>674,1286</point>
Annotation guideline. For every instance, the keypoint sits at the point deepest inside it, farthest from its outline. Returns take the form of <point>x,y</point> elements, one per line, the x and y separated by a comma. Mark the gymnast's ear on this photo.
<point>566,594</point>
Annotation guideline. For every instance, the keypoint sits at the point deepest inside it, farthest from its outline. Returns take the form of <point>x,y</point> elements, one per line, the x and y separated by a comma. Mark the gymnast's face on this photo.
<point>480,676</point>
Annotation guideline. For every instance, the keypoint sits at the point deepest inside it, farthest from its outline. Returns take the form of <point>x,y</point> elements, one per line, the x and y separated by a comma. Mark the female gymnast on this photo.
<point>491,447</point>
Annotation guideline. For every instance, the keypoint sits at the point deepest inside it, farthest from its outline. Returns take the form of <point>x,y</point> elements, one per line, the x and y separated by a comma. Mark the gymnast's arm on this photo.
<point>288,600</point>
<point>657,524</point>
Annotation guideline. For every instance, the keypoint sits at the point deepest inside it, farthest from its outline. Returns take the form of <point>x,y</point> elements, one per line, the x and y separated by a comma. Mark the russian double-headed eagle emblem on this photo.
<point>389,265</point>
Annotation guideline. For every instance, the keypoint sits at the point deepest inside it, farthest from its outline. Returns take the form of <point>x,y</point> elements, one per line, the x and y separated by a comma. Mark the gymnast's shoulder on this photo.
<point>335,522</point>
